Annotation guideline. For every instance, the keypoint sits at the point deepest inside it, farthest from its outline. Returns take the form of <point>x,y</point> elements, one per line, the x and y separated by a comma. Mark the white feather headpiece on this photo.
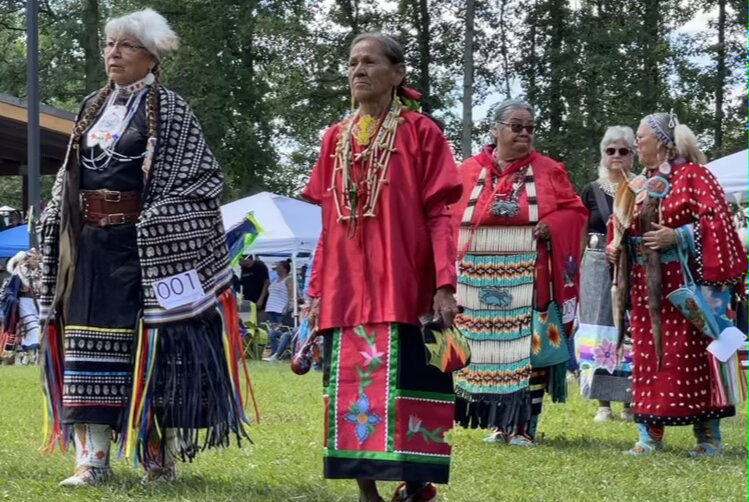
<point>149,27</point>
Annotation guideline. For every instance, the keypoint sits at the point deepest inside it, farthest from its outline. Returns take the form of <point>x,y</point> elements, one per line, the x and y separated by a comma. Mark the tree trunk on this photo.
<point>720,78</point>
<point>503,47</point>
<point>650,57</point>
<point>465,144</point>
<point>91,45</point>
<point>532,58</point>
<point>424,55</point>
<point>350,10</point>
<point>556,107</point>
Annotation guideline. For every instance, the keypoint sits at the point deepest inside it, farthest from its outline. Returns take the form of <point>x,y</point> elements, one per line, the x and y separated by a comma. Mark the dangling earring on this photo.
<point>664,167</point>
<point>353,103</point>
<point>396,99</point>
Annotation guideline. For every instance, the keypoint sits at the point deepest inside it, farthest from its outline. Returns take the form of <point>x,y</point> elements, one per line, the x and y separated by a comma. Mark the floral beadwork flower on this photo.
<point>415,427</point>
<point>555,337</point>
<point>536,343</point>
<point>605,355</point>
<point>359,415</point>
<point>372,355</point>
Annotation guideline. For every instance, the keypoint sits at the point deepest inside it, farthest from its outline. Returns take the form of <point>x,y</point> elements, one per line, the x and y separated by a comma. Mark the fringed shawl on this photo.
<point>180,227</point>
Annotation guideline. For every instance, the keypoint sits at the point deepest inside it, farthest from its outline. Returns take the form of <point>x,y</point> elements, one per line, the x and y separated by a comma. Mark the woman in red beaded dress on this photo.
<point>679,214</point>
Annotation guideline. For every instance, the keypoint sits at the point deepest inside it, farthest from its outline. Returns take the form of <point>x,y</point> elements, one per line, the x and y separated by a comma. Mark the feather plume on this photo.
<point>624,208</point>
<point>649,216</point>
<point>150,28</point>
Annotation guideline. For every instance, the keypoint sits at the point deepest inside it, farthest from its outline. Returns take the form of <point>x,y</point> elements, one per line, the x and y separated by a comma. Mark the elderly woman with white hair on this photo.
<point>672,229</point>
<point>521,223</point>
<point>135,285</point>
<point>604,370</point>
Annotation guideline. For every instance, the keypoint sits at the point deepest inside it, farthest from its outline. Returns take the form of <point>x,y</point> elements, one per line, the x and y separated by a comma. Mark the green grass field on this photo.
<point>577,460</point>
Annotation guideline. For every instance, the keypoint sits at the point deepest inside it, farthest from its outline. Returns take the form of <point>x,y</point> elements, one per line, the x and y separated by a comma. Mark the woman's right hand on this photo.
<point>612,254</point>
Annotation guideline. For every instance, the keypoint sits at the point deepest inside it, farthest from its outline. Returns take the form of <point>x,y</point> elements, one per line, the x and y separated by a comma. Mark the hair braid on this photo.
<point>152,105</point>
<point>90,112</point>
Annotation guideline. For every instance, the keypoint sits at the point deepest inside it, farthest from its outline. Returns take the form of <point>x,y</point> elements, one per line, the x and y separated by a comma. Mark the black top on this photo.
<point>253,279</point>
<point>596,223</point>
<point>120,176</point>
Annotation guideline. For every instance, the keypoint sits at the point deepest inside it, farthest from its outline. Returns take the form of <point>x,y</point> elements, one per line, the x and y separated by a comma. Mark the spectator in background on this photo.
<point>254,281</point>
<point>280,303</point>
<point>15,219</point>
<point>603,378</point>
<point>4,274</point>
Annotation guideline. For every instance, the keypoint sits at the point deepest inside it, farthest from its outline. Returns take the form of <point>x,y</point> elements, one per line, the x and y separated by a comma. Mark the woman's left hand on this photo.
<point>445,305</point>
<point>660,238</point>
<point>541,231</point>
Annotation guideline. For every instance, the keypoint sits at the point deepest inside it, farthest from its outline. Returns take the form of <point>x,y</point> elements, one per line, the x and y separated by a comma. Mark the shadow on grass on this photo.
<point>609,446</point>
<point>197,487</point>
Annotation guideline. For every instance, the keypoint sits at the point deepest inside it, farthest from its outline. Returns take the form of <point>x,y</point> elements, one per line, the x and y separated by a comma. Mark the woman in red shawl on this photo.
<point>519,244</point>
<point>677,217</point>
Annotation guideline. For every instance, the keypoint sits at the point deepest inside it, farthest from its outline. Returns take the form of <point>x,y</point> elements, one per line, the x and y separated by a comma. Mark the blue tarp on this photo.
<point>14,240</point>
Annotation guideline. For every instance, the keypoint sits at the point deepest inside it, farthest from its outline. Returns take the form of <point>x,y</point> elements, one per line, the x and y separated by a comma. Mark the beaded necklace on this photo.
<point>360,189</point>
<point>607,186</point>
<point>110,127</point>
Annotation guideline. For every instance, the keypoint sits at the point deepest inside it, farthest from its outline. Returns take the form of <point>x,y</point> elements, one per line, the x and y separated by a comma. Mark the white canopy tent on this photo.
<point>731,172</point>
<point>290,226</point>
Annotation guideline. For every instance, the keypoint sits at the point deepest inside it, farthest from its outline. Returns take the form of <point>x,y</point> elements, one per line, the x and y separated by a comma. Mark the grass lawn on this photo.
<point>577,460</point>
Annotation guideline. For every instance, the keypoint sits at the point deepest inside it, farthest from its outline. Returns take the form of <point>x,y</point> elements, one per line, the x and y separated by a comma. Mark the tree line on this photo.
<point>266,77</point>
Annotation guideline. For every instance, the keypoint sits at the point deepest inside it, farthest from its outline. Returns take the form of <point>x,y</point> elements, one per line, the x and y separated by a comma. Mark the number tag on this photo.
<point>177,290</point>
<point>569,310</point>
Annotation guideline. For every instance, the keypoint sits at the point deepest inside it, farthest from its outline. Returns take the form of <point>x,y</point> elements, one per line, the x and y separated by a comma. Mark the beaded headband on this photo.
<point>658,130</point>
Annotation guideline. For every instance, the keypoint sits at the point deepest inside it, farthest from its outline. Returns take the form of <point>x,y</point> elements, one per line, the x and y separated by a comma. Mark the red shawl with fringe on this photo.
<point>559,207</point>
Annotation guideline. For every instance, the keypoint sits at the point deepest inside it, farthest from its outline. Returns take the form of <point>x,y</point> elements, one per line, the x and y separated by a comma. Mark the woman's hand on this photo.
<point>445,306</point>
<point>612,254</point>
<point>313,309</point>
<point>541,231</point>
<point>660,238</point>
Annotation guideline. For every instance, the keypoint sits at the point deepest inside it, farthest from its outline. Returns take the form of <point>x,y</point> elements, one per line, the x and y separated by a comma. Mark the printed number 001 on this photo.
<point>166,291</point>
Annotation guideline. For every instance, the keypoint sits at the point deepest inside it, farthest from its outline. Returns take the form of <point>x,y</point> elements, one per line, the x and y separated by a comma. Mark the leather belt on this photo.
<point>596,241</point>
<point>103,208</point>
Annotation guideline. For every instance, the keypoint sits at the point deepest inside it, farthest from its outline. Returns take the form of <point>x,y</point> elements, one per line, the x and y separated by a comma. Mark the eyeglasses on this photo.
<point>623,152</point>
<point>126,47</point>
<point>516,127</point>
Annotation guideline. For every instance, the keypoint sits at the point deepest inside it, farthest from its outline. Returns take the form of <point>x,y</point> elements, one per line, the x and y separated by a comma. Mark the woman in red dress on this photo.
<point>519,226</point>
<point>679,214</point>
<point>386,257</point>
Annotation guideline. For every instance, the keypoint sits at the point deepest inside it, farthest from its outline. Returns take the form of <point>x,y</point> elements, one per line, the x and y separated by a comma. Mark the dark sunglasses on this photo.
<point>516,128</point>
<point>622,151</point>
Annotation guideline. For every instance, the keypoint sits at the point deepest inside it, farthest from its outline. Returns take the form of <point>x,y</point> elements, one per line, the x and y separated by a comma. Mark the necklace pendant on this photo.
<point>505,208</point>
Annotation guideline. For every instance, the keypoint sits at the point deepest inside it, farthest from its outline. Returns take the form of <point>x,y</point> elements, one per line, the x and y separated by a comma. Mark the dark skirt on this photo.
<point>191,388</point>
<point>100,326</point>
<point>386,410</point>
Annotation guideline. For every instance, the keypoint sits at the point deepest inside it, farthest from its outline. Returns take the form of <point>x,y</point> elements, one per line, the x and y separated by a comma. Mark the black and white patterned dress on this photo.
<point>194,385</point>
<point>106,296</point>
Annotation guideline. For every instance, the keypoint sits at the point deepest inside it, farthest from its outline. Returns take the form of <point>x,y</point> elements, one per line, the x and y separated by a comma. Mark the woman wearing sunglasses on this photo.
<point>604,373</point>
<point>521,225</point>
<point>676,225</point>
